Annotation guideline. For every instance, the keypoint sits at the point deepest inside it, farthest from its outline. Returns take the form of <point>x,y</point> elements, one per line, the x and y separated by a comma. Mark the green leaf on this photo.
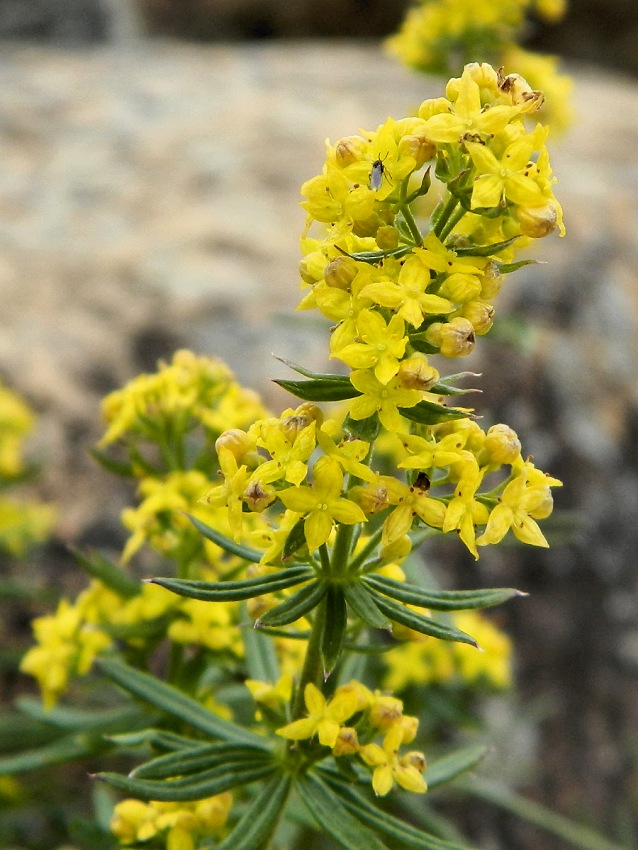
<point>445,387</point>
<point>261,656</point>
<point>195,759</point>
<point>82,720</point>
<point>386,824</point>
<point>110,574</point>
<point>177,704</point>
<point>159,738</point>
<point>320,376</point>
<point>334,629</point>
<point>294,541</point>
<point>225,543</point>
<point>431,413</point>
<point>333,818</point>
<point>485,250</point>
<point>425,625</point>
<point>362,603</point>
<point>337,388</point>
<point>235,591</point>
<point>374,257</point>
<point>446,769</point>
<point>68,749</point>
<point>367,429</point>
<point>260,818</point>
<point>441,600</point>
<point>508,268</point>
<point>195,787</point>
<point>297,606</point>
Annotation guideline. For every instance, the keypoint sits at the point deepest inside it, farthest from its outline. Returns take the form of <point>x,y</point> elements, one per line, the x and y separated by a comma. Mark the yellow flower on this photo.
<point>384,399</point>
<point>389,768</point>
<point>526,498</point>
<point>322,503</point>
<point>324,718</point>
<point>379,346</point>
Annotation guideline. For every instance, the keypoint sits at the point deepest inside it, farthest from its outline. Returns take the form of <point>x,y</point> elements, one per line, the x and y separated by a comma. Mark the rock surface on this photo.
<point>149,199</point>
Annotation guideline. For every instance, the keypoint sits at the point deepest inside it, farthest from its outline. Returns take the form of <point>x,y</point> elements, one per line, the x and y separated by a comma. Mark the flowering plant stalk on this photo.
<point>249,691</point>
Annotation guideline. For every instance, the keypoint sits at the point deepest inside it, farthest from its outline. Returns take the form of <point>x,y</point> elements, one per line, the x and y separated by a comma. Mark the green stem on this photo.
<point>452,221</point>
<point>312,668</point>
<point>444,216</point>
<point>370,546</point>
<point>341,550</point>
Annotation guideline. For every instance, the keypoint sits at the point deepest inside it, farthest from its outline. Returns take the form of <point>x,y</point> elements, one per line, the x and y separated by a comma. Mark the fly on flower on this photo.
<point>377,173</point>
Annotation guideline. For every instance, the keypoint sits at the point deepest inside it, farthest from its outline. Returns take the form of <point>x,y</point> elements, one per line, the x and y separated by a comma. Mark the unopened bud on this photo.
<point>340,272</point>
<point>520,93</point>
<point>455,338</point>
<point>414,759</point>
<point>259,495</point>
<point>491,281</point>
<point>418,147</point>
<point>312,266</point>
<point>415,373</point>
<point>371,498</point>
<point>480,314</point>
<point>350,149</point>
<point>347,742</point>
<point>502,444</point>
<point>387,238</point>
<point>235,441</point>
<point>537,222</point>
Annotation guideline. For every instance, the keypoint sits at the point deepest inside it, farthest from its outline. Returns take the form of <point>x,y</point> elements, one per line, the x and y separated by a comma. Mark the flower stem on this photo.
<point>311,671</point>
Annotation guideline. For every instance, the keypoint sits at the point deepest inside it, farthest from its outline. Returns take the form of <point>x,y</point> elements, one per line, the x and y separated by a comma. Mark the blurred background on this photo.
<point>151,154</point>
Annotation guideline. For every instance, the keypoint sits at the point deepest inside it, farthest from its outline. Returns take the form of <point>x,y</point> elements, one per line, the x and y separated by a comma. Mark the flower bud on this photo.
<point>347,742</point>
<point>415,373</point>
<point>371,498</point>
<point>312,266</point>
<point>434,106</point>
<point>491,281</point>
<point>537,222</point>
<point>396,550</point>
<point>454,338</point>
<point>258,495</point>
<point>409,728</point>
<point>414,759</point>
<point>418,147</point>
<point>350,149</point>
<point>520,93</point>
<point>460,287</point>
<point>235,441</point>
<point>481,314</point>
<point>387,238</point>
<point>502,444</point>
<point>385,712</point>
<point>544,507</point>
<point>340,272</point>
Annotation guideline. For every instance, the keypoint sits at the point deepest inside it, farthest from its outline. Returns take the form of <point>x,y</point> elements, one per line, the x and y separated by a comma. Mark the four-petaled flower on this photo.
<point>324,718</point>
<point>322,503</point>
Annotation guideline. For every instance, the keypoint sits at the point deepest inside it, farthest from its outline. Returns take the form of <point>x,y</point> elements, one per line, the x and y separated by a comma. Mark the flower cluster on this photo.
<point>437,34</point>
<point>373,714</point>
<point>180,825</point>
<point>22,523</point>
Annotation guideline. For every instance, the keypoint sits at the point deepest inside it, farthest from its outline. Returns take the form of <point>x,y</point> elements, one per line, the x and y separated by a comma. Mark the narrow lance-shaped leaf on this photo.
<point>177,704</point>
<point>225,543</point>
<point>260,818</point>
<point>441,600</point>
<point>334,629</point>
<point>194,760</point>
<point>69,749</point>
<point>418,623</point>
<point>83,720</point>
<point>484,250</point>
<point>334,389</point>
<point>294,608</point>
<point>235,591</point>
<point>445,769</point>
<point>400,833</point>
<point>195,787</point>
<point>333,818</point>
<point>431,413</point>
<point>362,603</point>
